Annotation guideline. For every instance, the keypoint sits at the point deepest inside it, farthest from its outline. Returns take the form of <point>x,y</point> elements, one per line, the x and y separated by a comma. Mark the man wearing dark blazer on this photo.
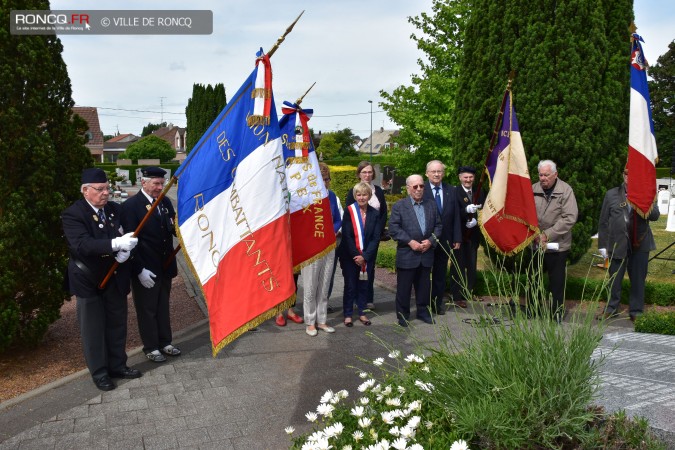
<point>96,241</point>
<point>413,224</point>
<point>444,196</point>
<point>153,265</point>
<point>464,272</point>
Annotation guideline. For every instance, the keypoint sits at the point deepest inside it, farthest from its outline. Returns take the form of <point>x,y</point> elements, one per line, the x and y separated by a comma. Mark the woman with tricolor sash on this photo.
<point>361,229</point>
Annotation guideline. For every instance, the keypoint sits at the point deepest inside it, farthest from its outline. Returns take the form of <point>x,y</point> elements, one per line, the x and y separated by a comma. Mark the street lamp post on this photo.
<point>371,130</point>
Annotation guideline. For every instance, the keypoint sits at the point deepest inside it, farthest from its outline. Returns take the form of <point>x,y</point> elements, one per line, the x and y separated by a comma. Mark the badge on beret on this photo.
<point>95,218</point>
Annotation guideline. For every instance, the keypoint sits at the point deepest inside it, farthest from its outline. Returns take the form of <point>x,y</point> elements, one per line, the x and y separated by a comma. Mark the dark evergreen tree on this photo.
<point>571,91</point>
<point>150,127</point>
<point>662,93</point>
<point>42,155</point>
<point>424,109</point>
<point>202,109</point>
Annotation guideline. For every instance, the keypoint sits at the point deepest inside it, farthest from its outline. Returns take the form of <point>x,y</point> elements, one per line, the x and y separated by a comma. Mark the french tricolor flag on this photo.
<point>311,219</point>
<point>233,221</point>
<point>509,218</point>
<point>642,153</point>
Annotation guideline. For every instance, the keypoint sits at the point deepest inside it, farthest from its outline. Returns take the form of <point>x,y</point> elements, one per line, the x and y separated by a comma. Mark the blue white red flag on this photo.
<point>642,153</point>
<point>311,220</point>
<point>233,212</point>
<point>509,218</point>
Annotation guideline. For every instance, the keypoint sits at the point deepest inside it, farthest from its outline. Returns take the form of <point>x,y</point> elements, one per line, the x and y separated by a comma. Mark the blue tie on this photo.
<point>101,215</point>
<point>419,212</point>
<point>438,199</point>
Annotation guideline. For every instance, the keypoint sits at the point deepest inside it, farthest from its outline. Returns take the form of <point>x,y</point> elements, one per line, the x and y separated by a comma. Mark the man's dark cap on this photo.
<point>153,172</point>
<point>466,169</point>
<point>94,175</point>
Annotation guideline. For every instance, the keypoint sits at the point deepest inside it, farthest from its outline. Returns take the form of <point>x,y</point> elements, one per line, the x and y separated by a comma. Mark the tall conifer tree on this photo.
<point>571,91</point>
<point>42,154</point>
<point>202,109</point>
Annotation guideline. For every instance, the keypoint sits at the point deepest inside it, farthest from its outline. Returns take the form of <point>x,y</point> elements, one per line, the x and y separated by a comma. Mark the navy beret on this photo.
<point>466,169</point>
<point>94,175</point>
<point>153,172</point>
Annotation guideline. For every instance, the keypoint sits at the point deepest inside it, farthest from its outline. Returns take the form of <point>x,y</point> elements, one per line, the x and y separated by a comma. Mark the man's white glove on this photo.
<point>471,223</point>
<point>603,252</point>
<point>122,256</point>
<point>146,278</point>
<point>471,209</point>
<point>126,242</point>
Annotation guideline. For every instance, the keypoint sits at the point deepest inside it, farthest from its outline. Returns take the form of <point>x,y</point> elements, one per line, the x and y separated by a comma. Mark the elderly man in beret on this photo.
<point>153,265</point>
<point>466,256</point>
<point>97,240</point>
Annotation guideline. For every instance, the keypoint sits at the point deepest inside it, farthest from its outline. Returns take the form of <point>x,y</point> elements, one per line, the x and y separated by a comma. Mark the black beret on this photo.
<point>466,169</point>
<point>153,172</point>
<point>94,175</point>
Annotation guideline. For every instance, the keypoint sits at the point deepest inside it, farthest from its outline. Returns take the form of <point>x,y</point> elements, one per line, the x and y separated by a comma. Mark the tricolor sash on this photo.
<point>358,225</point>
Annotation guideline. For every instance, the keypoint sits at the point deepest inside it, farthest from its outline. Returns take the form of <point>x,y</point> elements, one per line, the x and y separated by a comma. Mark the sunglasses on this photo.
<point>417,186</point>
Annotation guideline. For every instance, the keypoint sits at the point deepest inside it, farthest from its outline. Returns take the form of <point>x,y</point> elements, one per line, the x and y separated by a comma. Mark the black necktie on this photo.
<point>101,215</point>
<point>468,193</point>
<point>438,198</point>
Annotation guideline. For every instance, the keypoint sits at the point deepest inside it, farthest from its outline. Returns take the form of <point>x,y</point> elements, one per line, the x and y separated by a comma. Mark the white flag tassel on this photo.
<point>262,93</point>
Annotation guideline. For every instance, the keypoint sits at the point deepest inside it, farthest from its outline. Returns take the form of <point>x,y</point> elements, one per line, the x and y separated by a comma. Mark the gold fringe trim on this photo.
<point>649,211</point>
<point>297,145</point>
<point>261,93</point>
<point>297,160</point>
<point>257,120</point>
<point>520,247</point>
<point>318,256</point>
<point>269,314</point>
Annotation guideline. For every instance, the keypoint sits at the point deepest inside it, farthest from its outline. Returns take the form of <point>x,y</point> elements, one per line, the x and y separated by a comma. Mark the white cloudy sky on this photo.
<point>351,48</point>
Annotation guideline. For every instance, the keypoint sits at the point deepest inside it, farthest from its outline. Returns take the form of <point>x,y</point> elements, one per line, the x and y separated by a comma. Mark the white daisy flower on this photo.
<point>364,422</point>
<point>379,361</point>
<point>387,417</point>
<point>394,354</point>
<point>363,375</point>
<point>429,424</point>
<point>459,445</point>
<point>426,369</point>
<point>401,390</point>
<point>357,435</point>
<point>387,390</point>
<point>325,398</point>
<point>357,411</point>
<point>414,358</point>
<point>323,444</point>
<point>400,444</point>
<point>366,385</point>
<point>347,447</point>
<point>325,409</point>
<point>393,401</point>
<point>407,432</point>
<point>394,431</point>
<point>414,421</point>
<point>415,405</point>
<point>416,447</point>
<point>364,400</point>
<point>343,393</point>
<point>311,416</point>
<point>289,430</point>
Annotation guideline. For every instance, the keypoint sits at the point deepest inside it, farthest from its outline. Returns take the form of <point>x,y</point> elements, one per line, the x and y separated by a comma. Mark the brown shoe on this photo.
<point>607,315</point>
<point>633,317</point>
<point>461,303</point>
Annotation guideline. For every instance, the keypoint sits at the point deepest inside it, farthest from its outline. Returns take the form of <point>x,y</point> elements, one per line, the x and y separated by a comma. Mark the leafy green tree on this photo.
<point>424,109</point>
<point>202,109</point>
<point>345,139</point>
<point>662,93</point>
<point>150,127</point>
<point>571,91</point>
<point>151,147</point>
<point>42,155</point>
<point>329,146</point>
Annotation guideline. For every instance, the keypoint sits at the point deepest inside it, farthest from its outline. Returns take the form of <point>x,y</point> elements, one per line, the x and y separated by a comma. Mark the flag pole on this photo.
<point>298,101</point>
<point>174,178</point>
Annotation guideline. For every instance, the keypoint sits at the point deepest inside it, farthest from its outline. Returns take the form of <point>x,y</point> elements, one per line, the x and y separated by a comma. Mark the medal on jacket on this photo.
<point>147,207</point>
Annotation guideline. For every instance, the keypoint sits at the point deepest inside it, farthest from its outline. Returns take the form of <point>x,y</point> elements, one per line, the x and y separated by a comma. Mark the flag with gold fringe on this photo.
<point>509,217</point>
<point>642,153</point>
<point>311,221</point>
<point>232,210</point>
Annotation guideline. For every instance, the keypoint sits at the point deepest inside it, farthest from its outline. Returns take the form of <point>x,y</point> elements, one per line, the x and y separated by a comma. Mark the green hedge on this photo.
<point>662,294</point>
<point>657,323</point>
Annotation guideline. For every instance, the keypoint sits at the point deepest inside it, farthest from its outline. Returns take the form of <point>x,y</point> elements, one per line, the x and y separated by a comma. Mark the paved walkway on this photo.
<point>269,378</point>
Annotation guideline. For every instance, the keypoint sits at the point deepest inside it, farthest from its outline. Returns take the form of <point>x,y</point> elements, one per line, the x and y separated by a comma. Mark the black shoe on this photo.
<point>127,373</point>
<point>426,319</point>
<point>104,383</point>
<point>403,323</point>
<point>440,310</point>
<point>330,309</point>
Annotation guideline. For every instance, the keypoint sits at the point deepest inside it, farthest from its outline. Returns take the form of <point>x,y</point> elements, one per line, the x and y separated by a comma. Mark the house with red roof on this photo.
<point>93,135</point>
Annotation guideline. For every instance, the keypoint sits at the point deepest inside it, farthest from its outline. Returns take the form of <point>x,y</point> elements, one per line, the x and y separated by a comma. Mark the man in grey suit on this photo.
<point>627,239</point>
<point>443,195</point>
<point>413,224</point>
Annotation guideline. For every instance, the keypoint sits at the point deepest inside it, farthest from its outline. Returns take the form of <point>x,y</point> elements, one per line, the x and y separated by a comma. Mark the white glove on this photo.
<point>126,242</point>
<point>471,223</point>
<point>122,256</point>
<point>603,252</point>
<point>471,209</point>
<point>146,278</point>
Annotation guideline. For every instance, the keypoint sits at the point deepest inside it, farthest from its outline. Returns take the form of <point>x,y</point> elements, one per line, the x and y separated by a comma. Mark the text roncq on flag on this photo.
<point>233,212</point>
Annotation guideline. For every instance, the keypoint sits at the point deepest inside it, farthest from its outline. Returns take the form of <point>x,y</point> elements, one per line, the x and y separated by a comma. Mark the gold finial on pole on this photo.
<point>283,36</point>
<point>512,76</point>
<point>298,101</point>
<point>632,29</point>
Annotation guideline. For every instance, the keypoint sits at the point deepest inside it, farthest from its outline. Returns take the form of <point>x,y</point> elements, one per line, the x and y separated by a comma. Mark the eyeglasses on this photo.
<point>436,171</point>
<point>417,186</point>
<point>99,189</point>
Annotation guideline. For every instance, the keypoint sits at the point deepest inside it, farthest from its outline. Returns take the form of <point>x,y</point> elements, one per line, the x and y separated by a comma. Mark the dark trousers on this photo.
<point>464,271</point>
<point>152,311</point>
<point>370,269</point>
<point>103,328</point>
<point>555,265</point>
<point>637,264</point>
<point>355,290</point>
<point>406,279</point>
<point>439,273</point>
